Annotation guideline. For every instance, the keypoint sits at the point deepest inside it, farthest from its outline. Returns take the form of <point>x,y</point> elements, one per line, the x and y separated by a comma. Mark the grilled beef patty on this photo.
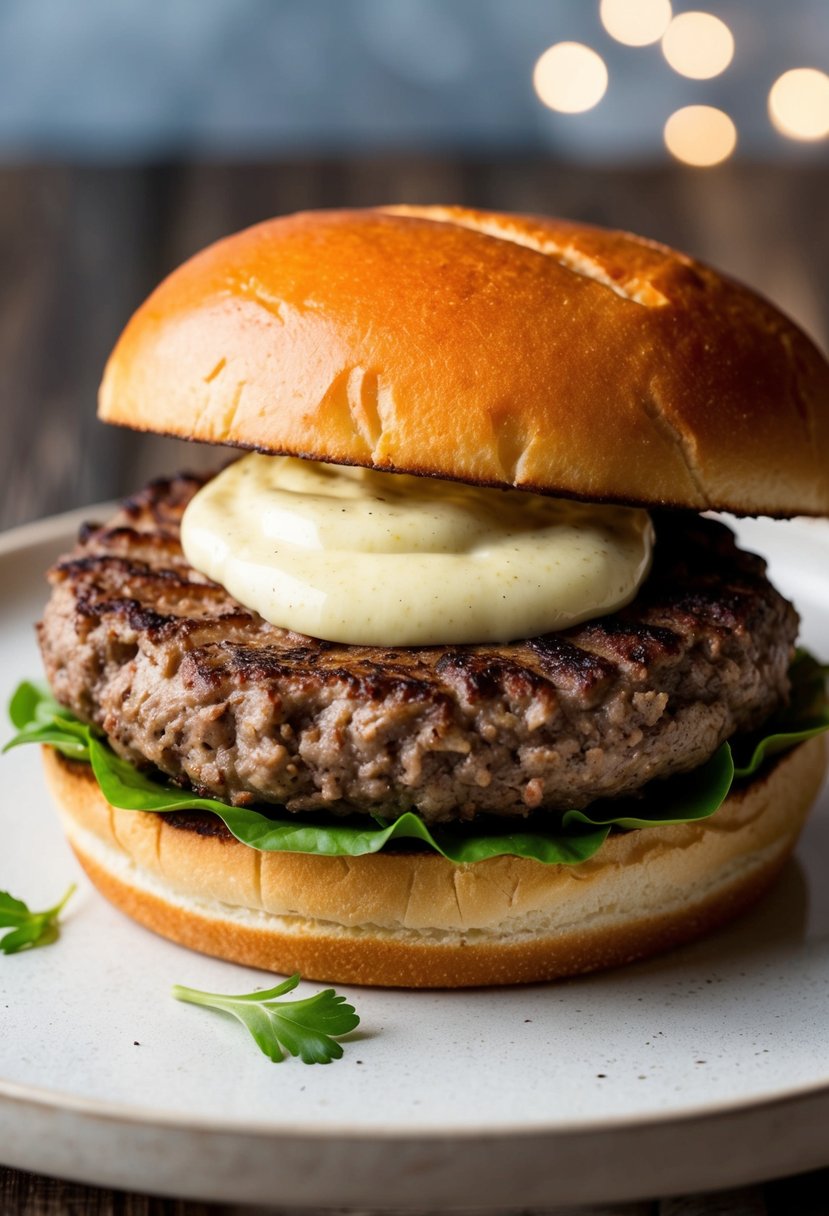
<point>180,677</point>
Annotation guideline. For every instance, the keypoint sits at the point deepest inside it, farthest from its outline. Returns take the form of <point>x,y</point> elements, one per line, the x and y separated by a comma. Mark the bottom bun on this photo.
<point>417,920</point>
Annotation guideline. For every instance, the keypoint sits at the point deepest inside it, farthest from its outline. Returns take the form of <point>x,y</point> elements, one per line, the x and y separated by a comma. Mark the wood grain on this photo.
<point>24,1194</point>
<point>80,248</point>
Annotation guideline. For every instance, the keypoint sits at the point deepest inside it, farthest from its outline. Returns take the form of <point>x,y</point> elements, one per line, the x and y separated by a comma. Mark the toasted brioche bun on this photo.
<point>417,920</point>
<point>497,349</point>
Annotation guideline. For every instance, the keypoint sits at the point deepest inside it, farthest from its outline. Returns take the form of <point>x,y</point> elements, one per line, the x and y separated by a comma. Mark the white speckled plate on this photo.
<point>705,1068</point>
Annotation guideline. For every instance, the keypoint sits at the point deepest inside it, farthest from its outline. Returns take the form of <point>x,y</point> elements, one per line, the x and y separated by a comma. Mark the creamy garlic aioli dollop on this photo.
<point>387,559</point>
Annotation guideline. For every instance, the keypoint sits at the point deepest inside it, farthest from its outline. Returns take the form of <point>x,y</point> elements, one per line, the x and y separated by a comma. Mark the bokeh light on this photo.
<point>636,22</point>
<point>700,135</point>
<point>570,77</point>
<point>799,104</point>
<point>698,45</point>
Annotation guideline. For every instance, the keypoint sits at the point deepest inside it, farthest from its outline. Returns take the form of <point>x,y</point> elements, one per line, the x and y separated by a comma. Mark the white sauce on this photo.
<point>385,559</point>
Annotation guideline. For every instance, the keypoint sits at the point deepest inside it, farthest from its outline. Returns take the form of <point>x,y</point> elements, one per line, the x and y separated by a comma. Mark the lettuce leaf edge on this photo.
<point>567,839</point>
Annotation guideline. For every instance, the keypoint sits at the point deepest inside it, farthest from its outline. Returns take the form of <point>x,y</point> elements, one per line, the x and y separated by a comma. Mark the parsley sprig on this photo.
<point>302,1028</point>
<point>28,929</point>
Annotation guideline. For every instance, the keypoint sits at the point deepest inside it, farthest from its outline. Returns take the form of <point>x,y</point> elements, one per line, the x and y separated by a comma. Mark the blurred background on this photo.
<point>132,132</point>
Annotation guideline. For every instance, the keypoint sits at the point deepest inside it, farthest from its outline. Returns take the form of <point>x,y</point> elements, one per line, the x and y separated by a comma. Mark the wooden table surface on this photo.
<point>81,246</point>
<point>26,1195</point>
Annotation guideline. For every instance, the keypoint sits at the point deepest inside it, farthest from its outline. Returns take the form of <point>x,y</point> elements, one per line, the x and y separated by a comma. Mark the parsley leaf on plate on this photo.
<point>303,1028</point>
<point>28,929</point>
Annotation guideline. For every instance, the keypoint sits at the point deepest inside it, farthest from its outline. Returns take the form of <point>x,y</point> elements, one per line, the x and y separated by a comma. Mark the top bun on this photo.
<point>504,350</point>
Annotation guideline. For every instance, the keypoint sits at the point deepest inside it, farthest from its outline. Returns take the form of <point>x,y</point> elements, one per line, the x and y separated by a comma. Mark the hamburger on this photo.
<point>450,681</point>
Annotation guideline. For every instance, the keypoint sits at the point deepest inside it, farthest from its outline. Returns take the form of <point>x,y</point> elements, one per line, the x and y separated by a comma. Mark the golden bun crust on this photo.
<point>498,349</point>
<point>417,920</point>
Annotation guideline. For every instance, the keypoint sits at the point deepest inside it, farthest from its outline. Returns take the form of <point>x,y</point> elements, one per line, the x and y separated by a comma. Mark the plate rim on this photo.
<point>49,527</point>
<point>61,1100</point>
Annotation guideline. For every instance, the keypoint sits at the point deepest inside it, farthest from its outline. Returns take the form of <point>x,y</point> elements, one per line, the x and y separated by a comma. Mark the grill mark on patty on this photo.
<point>213,663</point>
<point>631,641</point>
<point>184,679</point>
<point>578,668</point>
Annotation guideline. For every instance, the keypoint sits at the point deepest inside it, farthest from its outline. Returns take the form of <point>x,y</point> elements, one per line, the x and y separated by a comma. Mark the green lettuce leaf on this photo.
<point>806,715</point>
<point>130,790</point>
<point>39,718</point>
<point>682,799</point>
<point>564,839</point>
